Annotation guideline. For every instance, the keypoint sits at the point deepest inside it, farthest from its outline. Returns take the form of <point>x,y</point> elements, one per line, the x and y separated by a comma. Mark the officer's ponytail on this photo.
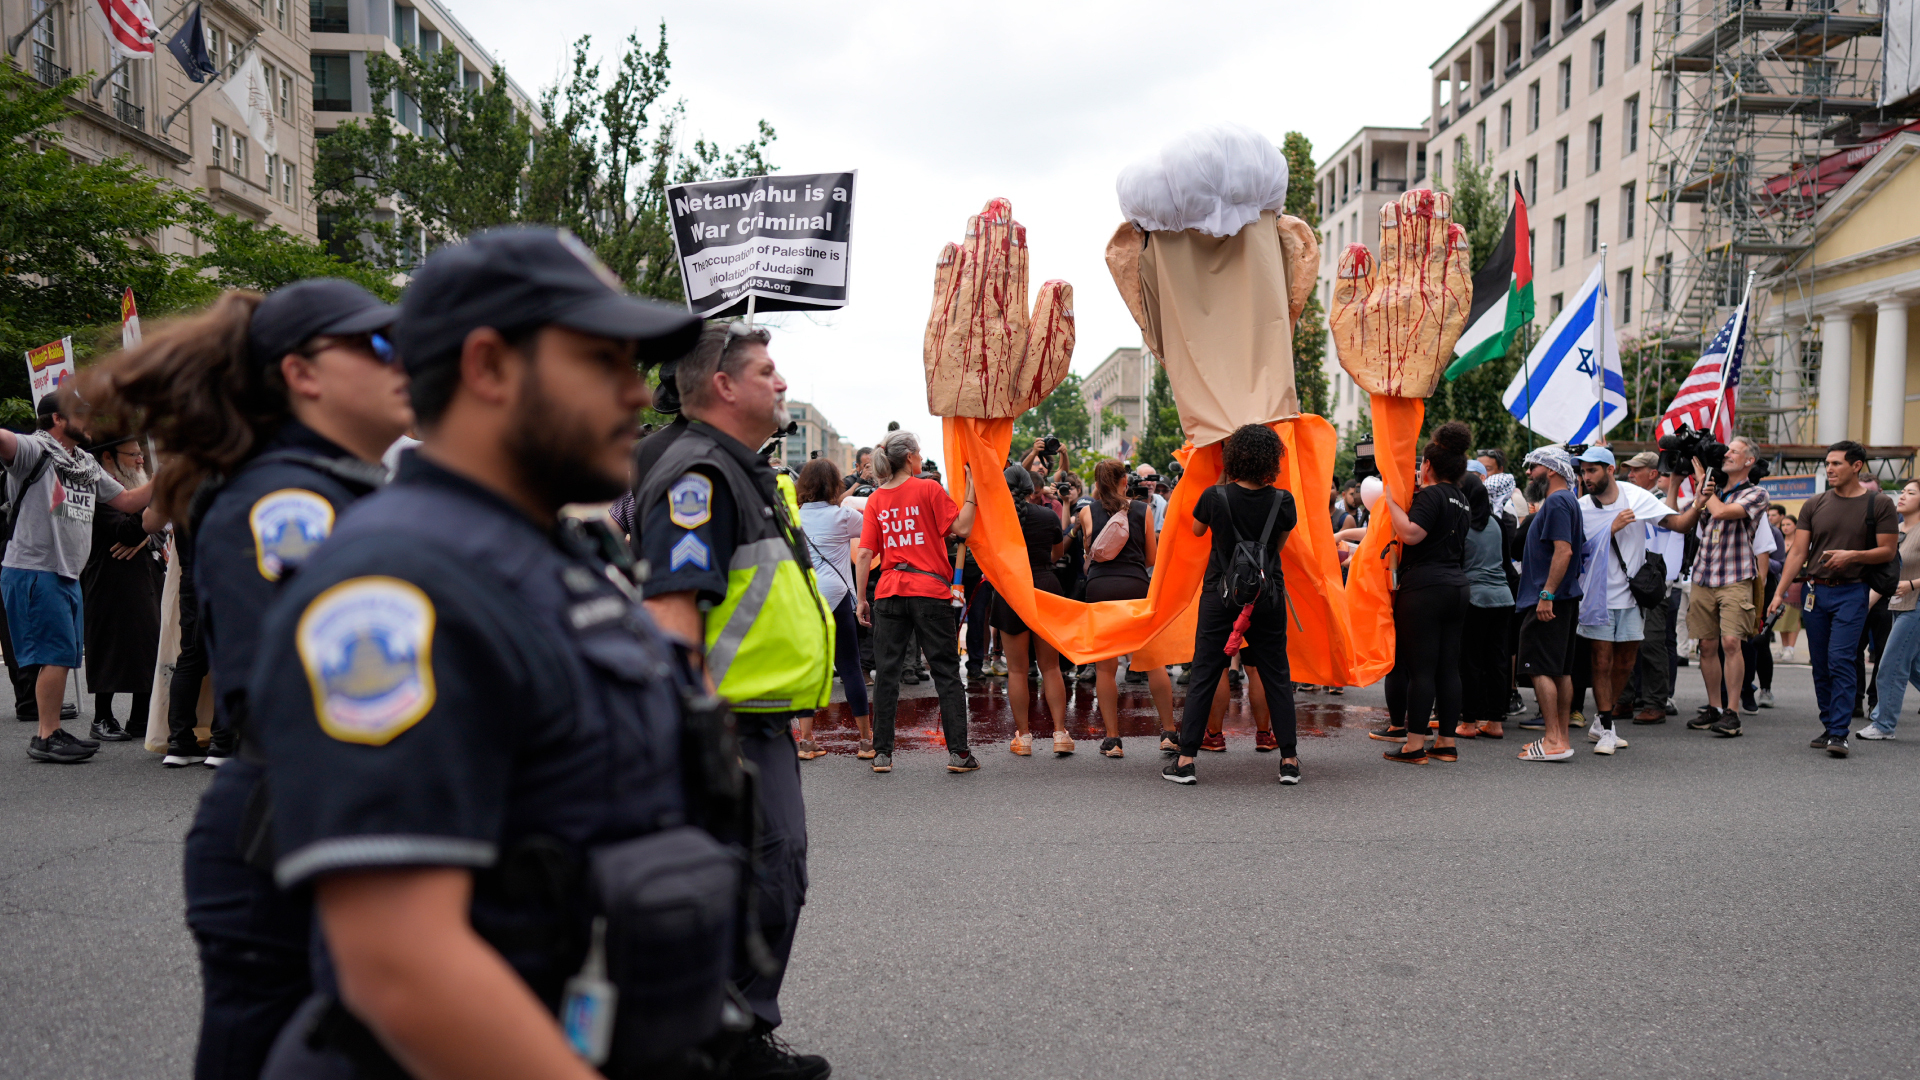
<point>892,454</point>
<point>190,385</point>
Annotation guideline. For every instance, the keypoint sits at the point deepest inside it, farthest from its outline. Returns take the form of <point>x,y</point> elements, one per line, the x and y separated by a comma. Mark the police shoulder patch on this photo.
<point>366,644</point>
<point>690,501</point>
<point>287,525</point>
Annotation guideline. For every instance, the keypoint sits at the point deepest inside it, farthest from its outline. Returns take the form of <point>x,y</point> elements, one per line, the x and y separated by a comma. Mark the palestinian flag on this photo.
<point>1502,297</point>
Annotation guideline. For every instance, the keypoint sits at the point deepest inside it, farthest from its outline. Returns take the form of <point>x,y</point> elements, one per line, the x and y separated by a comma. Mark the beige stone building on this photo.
<point>816,436</point>
<point>184,132</point>
<point>1369,170</point>
<point>1120,382</point>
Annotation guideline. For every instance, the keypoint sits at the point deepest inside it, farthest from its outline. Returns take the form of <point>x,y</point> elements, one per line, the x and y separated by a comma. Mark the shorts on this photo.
<point>1722,611</point>
<point>1005,620</point>
<point>1623,624</point>
<point>44,613</point>
<point>1115,587</point>
<point>1546,648</point>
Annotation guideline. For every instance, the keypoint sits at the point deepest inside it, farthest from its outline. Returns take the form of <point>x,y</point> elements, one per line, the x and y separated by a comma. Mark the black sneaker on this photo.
<point>136,726</point>
<point>1707,717</point>
<point>1178,773</point>
<point>1233,678</point>
<point>1515,706</point>
<point>1185,676</point>
<point>1748,705</point>
<point>69,711</point>
<point>1170,742</point>
<point>1536,723</point>
<point>962,761</point>
<point>1084,673</point>
<point>766,1056</point>
<point>910,677</point>
<point>109,730</point>
<point>180,755</point>
<point>1728,726</point>
<point>1837,746</point>
<point>59,746</point>
<point>1819,742</point>
<point>1388,734</point>
<point>1289,773</point>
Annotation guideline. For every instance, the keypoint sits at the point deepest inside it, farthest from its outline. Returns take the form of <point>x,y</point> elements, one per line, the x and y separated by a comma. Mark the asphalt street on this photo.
<point>1690,907</point>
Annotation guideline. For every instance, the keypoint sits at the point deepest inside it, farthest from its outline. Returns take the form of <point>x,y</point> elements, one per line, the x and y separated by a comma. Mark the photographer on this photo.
<point>1720,610</point>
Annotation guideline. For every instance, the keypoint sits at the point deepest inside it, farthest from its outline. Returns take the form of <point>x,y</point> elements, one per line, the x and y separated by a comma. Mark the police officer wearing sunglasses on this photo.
<point>273,413</point>
<point>522,821</point>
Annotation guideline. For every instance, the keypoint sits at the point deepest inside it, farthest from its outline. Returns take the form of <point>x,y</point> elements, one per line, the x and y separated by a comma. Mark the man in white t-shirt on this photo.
<point>1611,507</point>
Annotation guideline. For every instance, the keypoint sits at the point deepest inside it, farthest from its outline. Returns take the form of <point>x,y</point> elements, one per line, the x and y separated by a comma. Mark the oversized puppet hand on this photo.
<point>984,356</point>
<point>1395,319</point>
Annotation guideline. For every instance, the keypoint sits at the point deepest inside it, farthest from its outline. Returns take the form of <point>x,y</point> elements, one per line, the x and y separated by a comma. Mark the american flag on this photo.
<point>1706,398</point>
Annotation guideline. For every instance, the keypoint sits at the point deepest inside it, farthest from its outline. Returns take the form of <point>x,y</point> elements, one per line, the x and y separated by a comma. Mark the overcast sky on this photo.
<point>943,106</point>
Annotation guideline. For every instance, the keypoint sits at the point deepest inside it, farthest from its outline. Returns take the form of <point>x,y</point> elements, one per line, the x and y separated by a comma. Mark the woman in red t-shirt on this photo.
<point>907,522</point>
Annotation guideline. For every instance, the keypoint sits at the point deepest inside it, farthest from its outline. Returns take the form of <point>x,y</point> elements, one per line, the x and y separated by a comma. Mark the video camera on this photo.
<point>1679,450</point>
<point>1364,464</point>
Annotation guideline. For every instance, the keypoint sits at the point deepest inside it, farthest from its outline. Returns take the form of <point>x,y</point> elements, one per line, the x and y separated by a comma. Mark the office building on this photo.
<point>1120,383</point>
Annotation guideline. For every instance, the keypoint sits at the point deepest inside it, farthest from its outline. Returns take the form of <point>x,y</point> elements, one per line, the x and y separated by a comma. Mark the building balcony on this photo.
<point>1572,22</point>
<point>1486,88</point>
<point>238,192</point>
<point>1513,67</point>
<point>48,72</point>
<point>1540,47</point>
<point>129,114</point>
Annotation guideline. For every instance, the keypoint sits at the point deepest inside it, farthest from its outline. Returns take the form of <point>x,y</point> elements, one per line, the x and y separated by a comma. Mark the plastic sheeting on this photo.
<point>1902,27</point>
<point>1396,438</point>
<point>1159,629</point>
<point>1216,180</point>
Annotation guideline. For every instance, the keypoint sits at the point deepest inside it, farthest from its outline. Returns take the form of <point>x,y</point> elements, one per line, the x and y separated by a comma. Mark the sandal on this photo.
<point>866,750</point>
<point>1022,745</point>
<point>1467,730</point>
<point>1110,747</point>
<point>1388,734</point>
<point>1062,744</point>
<point>1485,734</point>
<point>807,750</point>
<point>1336,690</point>
<point>1537,751</point>
<point>1444,753</point>
<point>1418,757</point>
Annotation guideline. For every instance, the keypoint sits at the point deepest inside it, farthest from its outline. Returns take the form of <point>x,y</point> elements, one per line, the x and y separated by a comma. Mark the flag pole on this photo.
<point>1600,370</point>
<point>232,66</point>
<point>1733,344</point>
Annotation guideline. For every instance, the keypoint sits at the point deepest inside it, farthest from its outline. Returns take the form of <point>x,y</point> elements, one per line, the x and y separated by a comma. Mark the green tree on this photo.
<point>1478,207</point>
<point>608,154</point>
<point>1163,434</point>
<point>1310,332</point>
<point>1062,415</point>
<point>246,255</point>
<point>1111,420</point>
<point>74,235</point>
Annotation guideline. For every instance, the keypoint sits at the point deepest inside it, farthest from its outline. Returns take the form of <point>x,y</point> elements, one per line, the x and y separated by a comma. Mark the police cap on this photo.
<point>290,317</point>
<point>520,278</point>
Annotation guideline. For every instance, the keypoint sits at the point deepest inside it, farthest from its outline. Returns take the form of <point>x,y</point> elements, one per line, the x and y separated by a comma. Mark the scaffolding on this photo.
<point>1750,97</point>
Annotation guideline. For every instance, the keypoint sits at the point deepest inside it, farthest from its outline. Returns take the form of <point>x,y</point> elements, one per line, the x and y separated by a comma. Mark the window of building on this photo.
<point>1560,152</point>
<point>237,153</point>
<point>1624,296</point>
<point>1632,124</point>
<point>280,13</point>
<point>327,16</point>
<point>1559,244</point>
<point>1599,61</point>
<point>1533,179</point>
<point>1635,19</point>
<point>1593,146</point>
<point>1533,249</point>
<point>1459,155</point>
<point>46,46</point>
<point>1554,304</point>
<point>269,75</point>
<point>1439,177</point>
<point>284,102</point>
<point>1533,106</point>
<point>219,144</point>
<point>1566,84</point>
<point>1593,227</point>
<point>217,44</point>
<point>406,26</point>
<point>1506,124</point>
<point>271,170</point>
<point>332,83</point>
<point>1480,143</point>
<point>1629,209</point>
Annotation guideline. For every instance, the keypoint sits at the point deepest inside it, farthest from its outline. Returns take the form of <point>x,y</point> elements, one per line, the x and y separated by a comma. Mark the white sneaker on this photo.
<point>1607,743</point>
<point>1873,732</point>
<point>1594,731</point>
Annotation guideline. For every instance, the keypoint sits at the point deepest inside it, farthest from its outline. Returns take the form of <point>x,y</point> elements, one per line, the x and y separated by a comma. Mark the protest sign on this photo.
<point>48,366</point>
<point>780,241</point>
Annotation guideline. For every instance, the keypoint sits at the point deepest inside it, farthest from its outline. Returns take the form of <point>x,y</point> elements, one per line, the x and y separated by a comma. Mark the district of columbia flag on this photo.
<point>1573,371</point>
<point>1502,296</point>
<point>129,320</point>
<point>1706,399</point>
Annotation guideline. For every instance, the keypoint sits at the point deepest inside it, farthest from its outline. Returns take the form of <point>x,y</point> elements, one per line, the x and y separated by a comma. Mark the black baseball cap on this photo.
<point>516,278</point>
<point>292,316</point>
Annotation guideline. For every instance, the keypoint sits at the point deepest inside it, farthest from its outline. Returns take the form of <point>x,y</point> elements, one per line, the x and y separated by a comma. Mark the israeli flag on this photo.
<point>1571,388</point>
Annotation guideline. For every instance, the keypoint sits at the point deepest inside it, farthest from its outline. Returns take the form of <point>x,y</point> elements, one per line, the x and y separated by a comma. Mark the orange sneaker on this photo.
<point>1264,742</point>
<point>1215,741</point>
<point>1022,745</point>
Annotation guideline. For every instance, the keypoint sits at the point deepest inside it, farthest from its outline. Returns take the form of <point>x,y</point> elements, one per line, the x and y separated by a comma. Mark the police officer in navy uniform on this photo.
<point>472,728</point>
<point>274,412</point>
<point>728,569</point>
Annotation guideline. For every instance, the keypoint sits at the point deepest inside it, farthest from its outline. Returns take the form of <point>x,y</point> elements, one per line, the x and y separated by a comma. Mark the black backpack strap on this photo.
<point>13,504</point>
<point>1273,515</point>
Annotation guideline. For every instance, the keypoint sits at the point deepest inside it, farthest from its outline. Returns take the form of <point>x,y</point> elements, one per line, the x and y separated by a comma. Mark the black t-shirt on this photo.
<point>1040,528</point>
<point>1131,562</point>
<point>1227,506</point>
<point>1441,558</point>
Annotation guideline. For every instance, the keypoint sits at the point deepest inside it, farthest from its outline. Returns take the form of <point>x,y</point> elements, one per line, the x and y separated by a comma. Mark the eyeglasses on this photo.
<point>374,344</point>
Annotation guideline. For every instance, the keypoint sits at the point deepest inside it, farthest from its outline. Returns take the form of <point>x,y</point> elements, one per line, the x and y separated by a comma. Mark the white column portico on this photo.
<point>1836,366</point>
<point>1889,410</point>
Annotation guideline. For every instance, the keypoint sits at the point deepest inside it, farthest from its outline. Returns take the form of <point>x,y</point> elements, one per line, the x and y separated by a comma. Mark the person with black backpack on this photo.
<point>1243,605</point>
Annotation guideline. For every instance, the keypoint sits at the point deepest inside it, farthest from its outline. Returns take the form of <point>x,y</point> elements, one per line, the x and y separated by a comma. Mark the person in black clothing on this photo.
<point>1430,605</point>
<point>1243,507</point>
<point>1121,576</point>
<point>121,586</point>
<point>1045,536</point>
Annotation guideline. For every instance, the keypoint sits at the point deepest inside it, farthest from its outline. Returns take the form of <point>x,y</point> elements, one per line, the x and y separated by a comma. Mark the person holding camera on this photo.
<point>1720,609</point>
<point>1249,520</point>
<point>1846,536</point>
<point>1121,539</point>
